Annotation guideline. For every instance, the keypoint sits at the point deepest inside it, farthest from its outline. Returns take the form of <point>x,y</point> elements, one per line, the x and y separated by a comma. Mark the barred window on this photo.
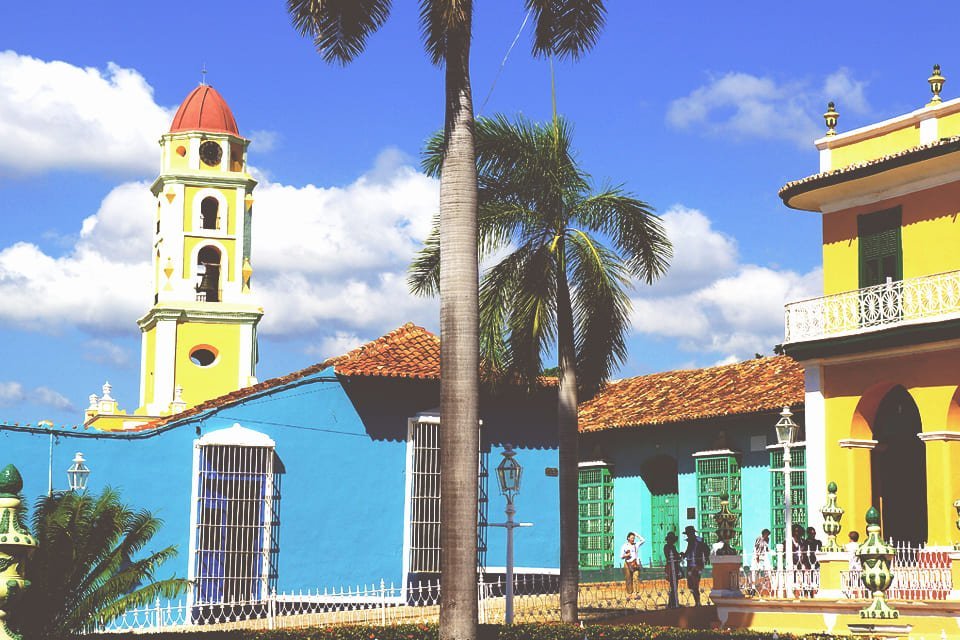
<point>425,498</point>
<point>718,475</point>
<point>798,492</point>
<point>595,542</point>
<point>236,523</point>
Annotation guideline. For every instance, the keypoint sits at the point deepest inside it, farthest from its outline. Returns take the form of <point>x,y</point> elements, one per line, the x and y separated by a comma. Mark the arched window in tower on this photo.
<point>208,272</point>
<point>209,210</point>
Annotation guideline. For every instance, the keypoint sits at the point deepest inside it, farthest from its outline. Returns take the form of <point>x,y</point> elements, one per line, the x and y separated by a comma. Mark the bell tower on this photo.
<point>199,340</point>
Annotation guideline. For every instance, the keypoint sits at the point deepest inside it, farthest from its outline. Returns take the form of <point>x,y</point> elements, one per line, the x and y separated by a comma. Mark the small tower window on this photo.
<point>208,271</point>
<point>203,356</point>
<point>209,208</point>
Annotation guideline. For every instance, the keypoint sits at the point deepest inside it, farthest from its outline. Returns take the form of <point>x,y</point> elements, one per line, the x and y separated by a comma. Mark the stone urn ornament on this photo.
<point>16,545</point>
<point>875,557</point>
<point>831,519</point>
<point>726,526</point>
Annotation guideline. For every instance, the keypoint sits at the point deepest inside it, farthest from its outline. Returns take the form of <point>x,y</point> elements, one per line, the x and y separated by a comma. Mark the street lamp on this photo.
<point>78,473</point>
<point>786,435</point>
<point>509,472</point>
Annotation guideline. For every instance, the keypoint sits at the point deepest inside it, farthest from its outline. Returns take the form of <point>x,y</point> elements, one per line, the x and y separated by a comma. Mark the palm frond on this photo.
<point>532,323</point>
<point>442,23</point>
<point>423,275</point>
<point>566,28</point>
<point>636,231</point>
<point>338,28</point>
<point>601,309</point>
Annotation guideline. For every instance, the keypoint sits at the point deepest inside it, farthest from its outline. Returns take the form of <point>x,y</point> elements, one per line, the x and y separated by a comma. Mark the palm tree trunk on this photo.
<point>569,454</point>
<point>459,350</point>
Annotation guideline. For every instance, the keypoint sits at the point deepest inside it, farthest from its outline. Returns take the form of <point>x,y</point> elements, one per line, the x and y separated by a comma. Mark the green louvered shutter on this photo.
<point>880,248</point>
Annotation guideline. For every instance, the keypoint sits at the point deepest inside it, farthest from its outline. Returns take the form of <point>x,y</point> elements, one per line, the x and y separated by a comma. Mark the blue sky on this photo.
<point>701,110</point>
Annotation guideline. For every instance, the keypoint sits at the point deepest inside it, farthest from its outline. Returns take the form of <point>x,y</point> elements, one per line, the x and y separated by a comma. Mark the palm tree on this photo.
<point>559,286</point>
<point>85,570</point>
<point>339,30</point>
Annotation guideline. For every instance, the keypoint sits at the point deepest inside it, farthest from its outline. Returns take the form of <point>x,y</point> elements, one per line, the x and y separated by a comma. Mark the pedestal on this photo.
<point>726,576</point>
<point>832,564</point>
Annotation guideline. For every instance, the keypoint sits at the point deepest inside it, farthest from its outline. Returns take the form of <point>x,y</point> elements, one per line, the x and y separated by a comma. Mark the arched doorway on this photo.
<point>660,475</point>
<point>898,468</point>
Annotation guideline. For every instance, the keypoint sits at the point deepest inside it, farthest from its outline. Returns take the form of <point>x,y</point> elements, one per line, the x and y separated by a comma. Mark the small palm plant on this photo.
<point>85,571</point>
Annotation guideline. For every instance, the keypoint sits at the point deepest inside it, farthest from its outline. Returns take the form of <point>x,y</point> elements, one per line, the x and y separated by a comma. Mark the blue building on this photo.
<point>326,477</point>
<point>658,451</point>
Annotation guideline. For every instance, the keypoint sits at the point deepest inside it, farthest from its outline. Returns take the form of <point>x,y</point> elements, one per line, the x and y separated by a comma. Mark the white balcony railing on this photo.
<point>904,302</point>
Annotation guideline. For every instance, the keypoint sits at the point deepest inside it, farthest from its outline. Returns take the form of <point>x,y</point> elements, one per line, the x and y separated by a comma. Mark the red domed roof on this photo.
<point>204,110</point>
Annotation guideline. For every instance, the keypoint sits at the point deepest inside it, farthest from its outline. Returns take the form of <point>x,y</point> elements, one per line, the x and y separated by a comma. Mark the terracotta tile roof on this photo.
<point>761,384</point>
<point>870,167</point>
<point>407,352</point>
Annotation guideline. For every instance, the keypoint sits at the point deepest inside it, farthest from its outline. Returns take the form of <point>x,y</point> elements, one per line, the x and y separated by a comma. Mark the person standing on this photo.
<point>760,567</point>
<point>853,575</point>
<point>630,554</point>
<point>671,567</point>
<point>696,556</point>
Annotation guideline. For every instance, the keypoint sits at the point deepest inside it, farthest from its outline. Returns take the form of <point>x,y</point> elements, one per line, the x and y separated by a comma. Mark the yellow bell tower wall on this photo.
<point>203,382</point>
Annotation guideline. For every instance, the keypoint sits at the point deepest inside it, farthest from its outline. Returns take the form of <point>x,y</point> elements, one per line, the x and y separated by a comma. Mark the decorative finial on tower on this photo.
<point>107,388</point>
<point>936,85</point>
<point>831,117</point>
<point>247,271</point>
<point>203,75</point>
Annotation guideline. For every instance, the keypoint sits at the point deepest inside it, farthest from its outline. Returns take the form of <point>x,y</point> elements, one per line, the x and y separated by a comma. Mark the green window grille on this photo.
<point>718,475</point>
<point>798,492</point>
<point>595,544</point>
<point>880,250</point>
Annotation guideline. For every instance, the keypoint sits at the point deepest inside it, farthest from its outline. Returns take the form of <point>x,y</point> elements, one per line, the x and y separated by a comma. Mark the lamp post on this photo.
<point>78,473</point>
<point>786,435</point>
<point>508,474</point>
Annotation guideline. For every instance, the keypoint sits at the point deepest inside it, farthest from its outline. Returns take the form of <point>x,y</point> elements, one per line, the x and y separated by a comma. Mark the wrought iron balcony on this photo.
<point>904,302</point>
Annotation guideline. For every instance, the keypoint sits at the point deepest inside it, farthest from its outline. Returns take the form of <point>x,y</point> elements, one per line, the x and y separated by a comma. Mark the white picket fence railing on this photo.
<point>536,599</point>
<point>919,573</point>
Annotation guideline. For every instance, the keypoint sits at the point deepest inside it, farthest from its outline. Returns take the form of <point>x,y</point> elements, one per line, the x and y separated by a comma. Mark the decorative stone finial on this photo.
<point>831,518</point>
<point>94,402</point>
<point>726,526</point>
<point>831,117</point>
<point>11,483</point>
<point>16,544</point>
<point>936,85</point>
<point>875,556</point>
<point>107,388</point>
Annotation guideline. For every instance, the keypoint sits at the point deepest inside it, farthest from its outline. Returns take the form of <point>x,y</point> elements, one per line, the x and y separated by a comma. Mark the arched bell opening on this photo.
<point>660,475</point>
<point>208,271</point>
<point>898,468</point>
<point>210,213</point>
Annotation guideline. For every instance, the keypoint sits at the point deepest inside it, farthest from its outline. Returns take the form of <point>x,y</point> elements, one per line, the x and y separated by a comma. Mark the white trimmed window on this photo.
<point>234,541</point>
<point>424,497</point>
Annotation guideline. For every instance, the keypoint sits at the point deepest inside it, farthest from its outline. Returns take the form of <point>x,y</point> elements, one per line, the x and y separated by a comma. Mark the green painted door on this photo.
<point>664,519</point>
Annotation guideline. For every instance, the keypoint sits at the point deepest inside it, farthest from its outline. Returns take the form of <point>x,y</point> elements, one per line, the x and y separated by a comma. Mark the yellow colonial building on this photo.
<point>199,340</point>
<point>881,348</point>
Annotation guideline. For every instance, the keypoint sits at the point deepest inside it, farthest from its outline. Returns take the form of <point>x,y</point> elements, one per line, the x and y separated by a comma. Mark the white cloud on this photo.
<point>50,398</point>
<point>54,115</point>
<point>340,343</point>
<point>262,140</point>
<point>717,305</point>
<point>106,352</point>
<point>328,261</point>
<point>11,392</point>
<point>743,106</point>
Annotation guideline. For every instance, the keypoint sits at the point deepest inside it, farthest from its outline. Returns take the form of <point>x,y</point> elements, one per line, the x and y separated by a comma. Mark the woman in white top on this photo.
<point>630,554</point>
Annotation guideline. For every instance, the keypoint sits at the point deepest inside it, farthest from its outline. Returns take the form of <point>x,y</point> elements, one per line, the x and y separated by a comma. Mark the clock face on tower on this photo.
<point>210,153</point>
